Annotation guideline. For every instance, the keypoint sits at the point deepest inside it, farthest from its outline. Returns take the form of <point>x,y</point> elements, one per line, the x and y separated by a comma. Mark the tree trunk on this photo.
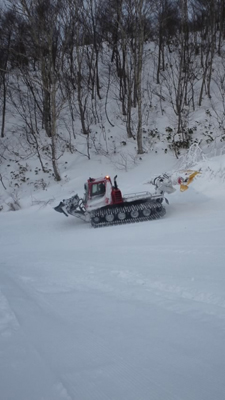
<point>4,106</point>
<point>53,132</point>
<point>140,44</point>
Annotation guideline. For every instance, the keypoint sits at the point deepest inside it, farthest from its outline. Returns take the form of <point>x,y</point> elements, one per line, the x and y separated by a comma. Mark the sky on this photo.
<point>133,311</point>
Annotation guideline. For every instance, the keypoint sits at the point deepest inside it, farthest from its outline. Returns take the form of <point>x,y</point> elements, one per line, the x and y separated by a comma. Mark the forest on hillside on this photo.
<point>67,66</point>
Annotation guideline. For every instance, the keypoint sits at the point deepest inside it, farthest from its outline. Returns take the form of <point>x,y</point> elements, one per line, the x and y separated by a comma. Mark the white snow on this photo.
<point>130,312</point>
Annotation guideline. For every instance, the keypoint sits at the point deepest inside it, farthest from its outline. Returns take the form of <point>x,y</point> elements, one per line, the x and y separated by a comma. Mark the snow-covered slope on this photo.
<point>124,312</point>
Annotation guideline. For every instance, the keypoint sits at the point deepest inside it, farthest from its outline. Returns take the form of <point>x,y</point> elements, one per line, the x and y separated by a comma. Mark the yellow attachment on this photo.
<point>184,186</point>
<point>191,177</point>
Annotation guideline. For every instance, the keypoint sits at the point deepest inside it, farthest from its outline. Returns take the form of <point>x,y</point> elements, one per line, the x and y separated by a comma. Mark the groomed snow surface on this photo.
<point>130,312</point>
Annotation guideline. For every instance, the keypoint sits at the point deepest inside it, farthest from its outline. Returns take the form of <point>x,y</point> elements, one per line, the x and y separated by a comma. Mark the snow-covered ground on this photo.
<point>131,312</point>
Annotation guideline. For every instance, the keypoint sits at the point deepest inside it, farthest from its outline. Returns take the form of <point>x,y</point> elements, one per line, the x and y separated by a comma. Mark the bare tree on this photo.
<point>6,32</point>
<point>47,36</point>
<point>205,12</point>
<point>179,82</point>
<point>127,50</point>
<point>221,13</point>
<point>140,44</point>
<point>166,16</point>
<point>218,100</point>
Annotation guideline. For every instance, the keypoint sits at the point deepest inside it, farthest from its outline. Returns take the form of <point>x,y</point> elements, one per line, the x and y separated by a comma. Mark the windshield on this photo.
<point>98,189</point>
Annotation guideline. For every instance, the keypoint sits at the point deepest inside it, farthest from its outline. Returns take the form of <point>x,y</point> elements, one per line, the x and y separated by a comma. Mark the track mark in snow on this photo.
<point>8,321</point>
<point>52,343</point>
<point>179,299</point>
<point>35,327</point>
<point>62,391</point>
